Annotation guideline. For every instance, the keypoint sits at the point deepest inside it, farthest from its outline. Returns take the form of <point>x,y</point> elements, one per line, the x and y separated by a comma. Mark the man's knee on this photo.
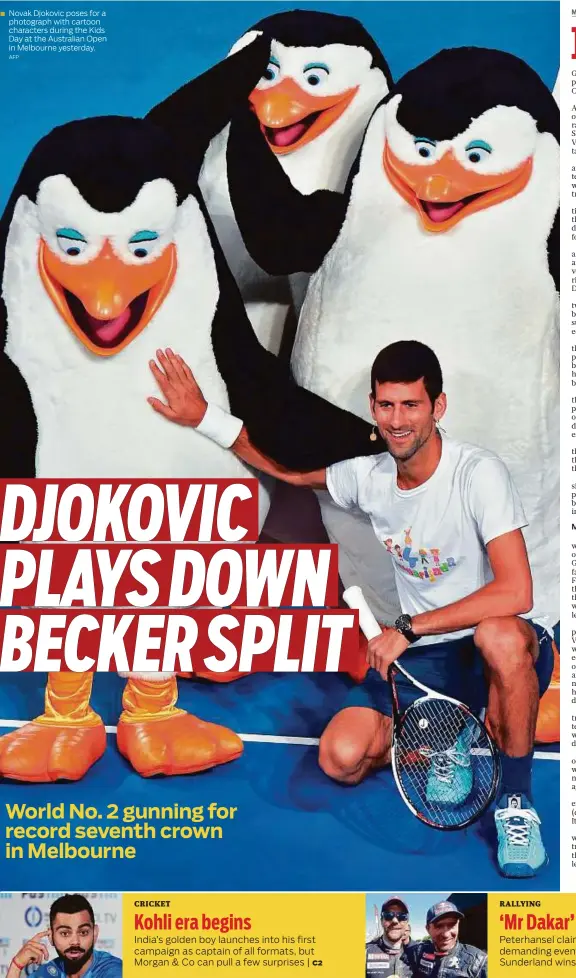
<point>342,758</point>
<point>507,645</point>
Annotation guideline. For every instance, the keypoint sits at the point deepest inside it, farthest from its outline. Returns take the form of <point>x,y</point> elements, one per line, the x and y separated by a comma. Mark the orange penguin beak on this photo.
<point>290,117</point>
<point>445,192</point>
<point>107,302</point>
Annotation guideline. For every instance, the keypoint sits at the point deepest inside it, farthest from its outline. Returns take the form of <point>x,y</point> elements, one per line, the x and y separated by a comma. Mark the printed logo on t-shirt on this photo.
<point>427,564</point>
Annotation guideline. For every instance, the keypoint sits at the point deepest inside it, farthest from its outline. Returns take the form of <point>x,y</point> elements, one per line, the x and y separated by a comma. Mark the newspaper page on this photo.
<point>287,487</point>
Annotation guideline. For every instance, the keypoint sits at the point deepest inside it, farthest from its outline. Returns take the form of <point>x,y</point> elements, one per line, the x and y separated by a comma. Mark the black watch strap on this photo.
<point>403,624</point>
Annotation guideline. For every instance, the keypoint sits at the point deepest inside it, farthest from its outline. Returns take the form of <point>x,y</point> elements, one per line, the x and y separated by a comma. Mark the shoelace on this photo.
<point>517,832</point>
<point>444,762</point>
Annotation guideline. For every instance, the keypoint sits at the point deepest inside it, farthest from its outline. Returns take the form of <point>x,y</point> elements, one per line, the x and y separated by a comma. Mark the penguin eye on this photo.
<point>478,151</point>
<point>272,71</point>
<point>315,74</point>
<point>142,243</point>
<point>426,148</point>
<point>71,242</point>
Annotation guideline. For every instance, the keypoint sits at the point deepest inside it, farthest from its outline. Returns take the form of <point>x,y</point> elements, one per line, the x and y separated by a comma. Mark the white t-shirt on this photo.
<point>436,533</point>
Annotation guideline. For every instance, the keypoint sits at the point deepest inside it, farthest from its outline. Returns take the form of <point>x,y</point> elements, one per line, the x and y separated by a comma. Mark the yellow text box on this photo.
<point>312,934</point>
<point>531,930</point>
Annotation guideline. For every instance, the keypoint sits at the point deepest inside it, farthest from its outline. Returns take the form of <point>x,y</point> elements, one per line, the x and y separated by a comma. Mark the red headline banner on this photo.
<point>113,575</point>
<point>121,510</point>
<point>149,642</point>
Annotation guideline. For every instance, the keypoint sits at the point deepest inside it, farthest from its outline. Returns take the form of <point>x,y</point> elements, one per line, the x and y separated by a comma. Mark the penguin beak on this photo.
<point>445,192</point>
<point>290,117</point>
<point>106,302</point>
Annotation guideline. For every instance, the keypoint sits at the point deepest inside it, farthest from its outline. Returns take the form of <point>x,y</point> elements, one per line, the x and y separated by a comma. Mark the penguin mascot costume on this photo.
<point>447,233</point>
<point>324,77</point>
<point>107,254</point>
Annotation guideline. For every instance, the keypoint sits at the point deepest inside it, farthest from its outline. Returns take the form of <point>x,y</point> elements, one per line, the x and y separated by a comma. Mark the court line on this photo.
<point>277,739</point>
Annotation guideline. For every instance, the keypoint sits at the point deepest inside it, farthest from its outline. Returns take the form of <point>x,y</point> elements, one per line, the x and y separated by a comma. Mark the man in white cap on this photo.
<point>444,955</point>
<point>384,953</point>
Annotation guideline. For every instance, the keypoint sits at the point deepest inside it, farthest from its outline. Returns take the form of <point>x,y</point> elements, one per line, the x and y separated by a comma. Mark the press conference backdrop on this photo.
<point>22,915</point>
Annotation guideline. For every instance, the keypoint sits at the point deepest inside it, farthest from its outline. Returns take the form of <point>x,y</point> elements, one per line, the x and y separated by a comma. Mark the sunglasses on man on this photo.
<point>393,915</point>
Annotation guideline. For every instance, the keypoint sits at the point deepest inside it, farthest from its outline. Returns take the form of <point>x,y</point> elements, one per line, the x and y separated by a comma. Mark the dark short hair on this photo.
<point>70,903</point>
<point>405,362</point>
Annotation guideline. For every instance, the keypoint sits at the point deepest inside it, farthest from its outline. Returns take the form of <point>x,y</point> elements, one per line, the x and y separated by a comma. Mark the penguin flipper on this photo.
<point>18,430</point>
<point>303,432</point>
<point>199,110</point>
<point>291,425</point>
<point>554,251</point>
<point>284,231</point>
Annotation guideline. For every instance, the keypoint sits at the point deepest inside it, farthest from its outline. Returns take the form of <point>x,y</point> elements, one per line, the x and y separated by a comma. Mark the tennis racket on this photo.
<point>445,764</point>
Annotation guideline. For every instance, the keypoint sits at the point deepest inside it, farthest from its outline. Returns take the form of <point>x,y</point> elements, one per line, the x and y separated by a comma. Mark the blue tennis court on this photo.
<point>294,828</point>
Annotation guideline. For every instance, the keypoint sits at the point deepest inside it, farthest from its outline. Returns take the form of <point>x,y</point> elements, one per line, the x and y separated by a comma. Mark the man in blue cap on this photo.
<point>384,953</point>
<point>443,955</point>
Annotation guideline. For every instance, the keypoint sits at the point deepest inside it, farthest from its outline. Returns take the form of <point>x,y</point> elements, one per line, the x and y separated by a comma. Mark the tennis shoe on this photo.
<point>450,775</point>
<point>521,852</point>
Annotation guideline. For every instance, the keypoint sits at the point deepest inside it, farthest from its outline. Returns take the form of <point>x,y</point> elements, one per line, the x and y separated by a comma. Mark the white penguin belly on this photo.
<point>495,332</point>
<point>100,426</point>
<point>92,412</point>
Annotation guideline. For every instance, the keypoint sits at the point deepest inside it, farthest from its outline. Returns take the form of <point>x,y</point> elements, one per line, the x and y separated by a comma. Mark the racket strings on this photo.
<point>445,762</point>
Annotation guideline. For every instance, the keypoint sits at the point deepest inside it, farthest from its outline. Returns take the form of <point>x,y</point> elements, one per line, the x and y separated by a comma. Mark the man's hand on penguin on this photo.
<point>186,403</point>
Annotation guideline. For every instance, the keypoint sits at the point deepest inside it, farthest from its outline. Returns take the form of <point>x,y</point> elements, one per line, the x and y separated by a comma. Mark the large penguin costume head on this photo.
<point>323,70</point>
<point>313,99</point>
<point>464,131</point>
<point>94,223</point>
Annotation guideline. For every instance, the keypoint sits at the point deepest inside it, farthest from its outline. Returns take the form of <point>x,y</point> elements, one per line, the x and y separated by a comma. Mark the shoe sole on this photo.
<point>521,870</point>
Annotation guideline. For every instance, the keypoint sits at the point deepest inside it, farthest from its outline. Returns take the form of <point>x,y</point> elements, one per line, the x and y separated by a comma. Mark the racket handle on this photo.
<point>355,599</point>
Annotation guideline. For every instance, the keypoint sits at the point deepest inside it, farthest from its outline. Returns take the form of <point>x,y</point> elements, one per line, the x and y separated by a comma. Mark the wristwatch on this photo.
<point>403,624</point>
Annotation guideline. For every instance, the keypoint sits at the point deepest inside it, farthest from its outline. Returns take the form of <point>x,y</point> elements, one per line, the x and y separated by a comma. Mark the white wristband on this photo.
<point>220,426</point>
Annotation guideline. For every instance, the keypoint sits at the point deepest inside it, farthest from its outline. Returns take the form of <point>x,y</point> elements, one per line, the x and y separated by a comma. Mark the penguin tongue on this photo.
<point>109,329</point>
<point>287,135</point>
<point>442,212</point>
